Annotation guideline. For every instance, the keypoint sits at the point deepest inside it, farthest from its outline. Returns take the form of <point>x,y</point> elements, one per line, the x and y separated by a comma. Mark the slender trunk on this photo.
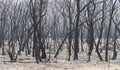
<point>114,49</point>
<point>90,32</point>
<point>107,43</point>
<point>90,41</point>
<point>82,40</point>
<point>109,28</point>
<point>34,34</point>
<point>69,47</point>
<point>3,51</point>
<point>70,29</point>
<point>97,46</point>
<point>101,32</point>
<point>76,45</point>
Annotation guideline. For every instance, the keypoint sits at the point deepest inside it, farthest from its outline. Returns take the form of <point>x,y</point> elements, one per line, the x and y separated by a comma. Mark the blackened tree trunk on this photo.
<point>109,28</point>
<point>82,49</point>
<point>101,31</point>
<point>114,49</point>
<point>35,44</point>
<point>90,25</point>
<point>90,40</point>
<point>34,31</point>
<point>70,29</point>
<point>38,10</point>
<point>76,45</point>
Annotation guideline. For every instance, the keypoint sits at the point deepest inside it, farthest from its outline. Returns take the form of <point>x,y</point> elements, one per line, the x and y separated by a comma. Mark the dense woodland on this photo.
<point>43,27</point>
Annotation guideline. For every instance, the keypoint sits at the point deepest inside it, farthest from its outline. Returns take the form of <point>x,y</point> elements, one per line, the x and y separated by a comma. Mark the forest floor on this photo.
<point>61,63</point>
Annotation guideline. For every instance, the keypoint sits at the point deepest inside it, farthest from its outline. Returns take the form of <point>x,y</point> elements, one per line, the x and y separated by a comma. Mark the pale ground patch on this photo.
<point>28,62</point>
